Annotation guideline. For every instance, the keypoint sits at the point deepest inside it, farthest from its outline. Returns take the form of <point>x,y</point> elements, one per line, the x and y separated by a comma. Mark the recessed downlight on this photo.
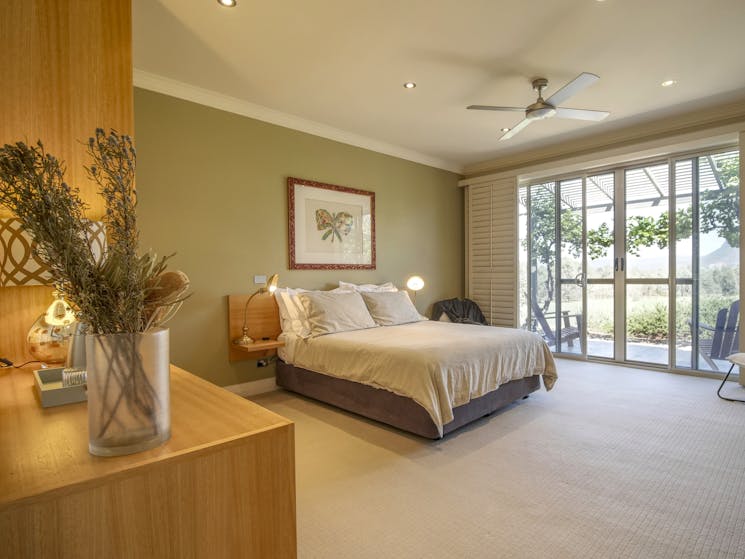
<point>409,85</point>
<point>227,3</point>
<point>505,129</point>
<point>668,83</point>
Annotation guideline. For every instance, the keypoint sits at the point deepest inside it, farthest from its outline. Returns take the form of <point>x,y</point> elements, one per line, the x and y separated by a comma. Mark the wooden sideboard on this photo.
<point>222,486</point>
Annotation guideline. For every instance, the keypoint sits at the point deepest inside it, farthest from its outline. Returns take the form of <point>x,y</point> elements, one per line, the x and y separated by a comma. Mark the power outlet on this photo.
<point>259,280</point>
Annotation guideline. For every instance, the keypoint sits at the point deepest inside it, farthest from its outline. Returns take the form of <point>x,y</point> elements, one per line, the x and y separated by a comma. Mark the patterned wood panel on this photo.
<point>67,69</point>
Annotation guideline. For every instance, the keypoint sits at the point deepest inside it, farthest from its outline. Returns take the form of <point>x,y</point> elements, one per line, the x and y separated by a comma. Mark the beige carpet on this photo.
<point>613,462</point>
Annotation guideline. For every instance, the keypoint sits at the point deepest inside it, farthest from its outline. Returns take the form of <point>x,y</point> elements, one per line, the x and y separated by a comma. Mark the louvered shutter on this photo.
<point>492,244</point>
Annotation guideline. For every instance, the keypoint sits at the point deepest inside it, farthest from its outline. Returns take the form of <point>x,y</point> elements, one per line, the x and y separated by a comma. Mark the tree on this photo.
<point>719,212</point>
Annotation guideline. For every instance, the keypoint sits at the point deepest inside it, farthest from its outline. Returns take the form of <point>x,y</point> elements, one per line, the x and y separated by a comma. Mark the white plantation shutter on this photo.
<point>492,245</point>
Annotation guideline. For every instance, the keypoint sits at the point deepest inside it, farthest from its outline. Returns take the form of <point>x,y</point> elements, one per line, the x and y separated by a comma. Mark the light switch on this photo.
<point>259,280</point>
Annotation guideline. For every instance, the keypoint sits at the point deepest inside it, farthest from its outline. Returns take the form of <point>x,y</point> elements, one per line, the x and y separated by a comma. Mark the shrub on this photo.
<point>649,323</point>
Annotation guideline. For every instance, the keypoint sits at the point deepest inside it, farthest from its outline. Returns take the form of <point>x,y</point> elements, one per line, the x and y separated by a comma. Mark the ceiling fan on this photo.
<point>549,107</point>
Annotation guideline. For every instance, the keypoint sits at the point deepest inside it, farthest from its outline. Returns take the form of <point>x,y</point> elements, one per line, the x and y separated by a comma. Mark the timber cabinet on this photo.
<point>222,486</point>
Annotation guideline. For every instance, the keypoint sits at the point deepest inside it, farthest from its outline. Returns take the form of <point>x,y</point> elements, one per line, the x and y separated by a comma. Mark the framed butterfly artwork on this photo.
<point>331,227</point>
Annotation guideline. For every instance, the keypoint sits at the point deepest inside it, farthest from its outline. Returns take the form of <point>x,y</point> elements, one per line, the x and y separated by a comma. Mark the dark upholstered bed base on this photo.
<point>390,408</point>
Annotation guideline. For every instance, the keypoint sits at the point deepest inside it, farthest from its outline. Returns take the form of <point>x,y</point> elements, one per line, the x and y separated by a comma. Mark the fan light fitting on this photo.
<point>546,108</point>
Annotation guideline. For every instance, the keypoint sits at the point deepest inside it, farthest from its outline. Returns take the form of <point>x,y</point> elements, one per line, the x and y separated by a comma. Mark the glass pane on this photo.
<point>683,335</point>
<point>647,323</point>
<point>570,321</point>
<point>600,257</point>
<point>719,284</point>
<point>647,193</point>
<point>542,228</point>
<point>600,226</point>
<point>600,320</point>
<point>522,224</point>
<point>683,263</point>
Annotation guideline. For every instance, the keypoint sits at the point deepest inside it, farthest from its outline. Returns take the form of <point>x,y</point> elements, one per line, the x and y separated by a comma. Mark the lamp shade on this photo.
<point>271,285</point>
<point>415,283</point>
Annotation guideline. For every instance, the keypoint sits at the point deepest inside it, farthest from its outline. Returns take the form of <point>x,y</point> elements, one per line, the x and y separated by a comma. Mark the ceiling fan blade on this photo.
<point>572,88</point>
<point>515,129</point>
<point>580,114</point>
<point>491,108</point>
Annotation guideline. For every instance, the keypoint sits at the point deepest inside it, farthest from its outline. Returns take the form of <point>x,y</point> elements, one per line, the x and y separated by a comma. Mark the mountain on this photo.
<point>725,255</point>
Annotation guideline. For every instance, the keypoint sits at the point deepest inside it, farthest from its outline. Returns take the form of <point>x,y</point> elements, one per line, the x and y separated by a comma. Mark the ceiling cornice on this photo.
<point>726,115</point>
<point>173,88</point>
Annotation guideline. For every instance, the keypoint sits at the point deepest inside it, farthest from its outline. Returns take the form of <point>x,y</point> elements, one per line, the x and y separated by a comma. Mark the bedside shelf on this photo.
<point>256,350</point>
<point>259,345</point>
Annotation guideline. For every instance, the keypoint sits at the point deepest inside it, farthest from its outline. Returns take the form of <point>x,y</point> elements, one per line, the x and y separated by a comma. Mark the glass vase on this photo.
<point>128,391</point>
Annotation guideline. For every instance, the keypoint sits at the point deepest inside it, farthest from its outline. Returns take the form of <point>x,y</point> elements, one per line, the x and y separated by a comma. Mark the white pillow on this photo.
<point>291,312</point>
<point>328,312</point>
<point>367,287</point>
<point>391,308</point>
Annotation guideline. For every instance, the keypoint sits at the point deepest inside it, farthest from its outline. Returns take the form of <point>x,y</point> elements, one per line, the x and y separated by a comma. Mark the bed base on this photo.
<point>392,409</point>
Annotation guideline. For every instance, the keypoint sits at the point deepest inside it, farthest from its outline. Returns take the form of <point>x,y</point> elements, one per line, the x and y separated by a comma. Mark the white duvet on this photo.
<point>439,365</point>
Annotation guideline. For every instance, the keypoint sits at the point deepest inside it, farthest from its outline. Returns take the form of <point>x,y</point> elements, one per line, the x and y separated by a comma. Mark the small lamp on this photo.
<point>49,336</point>
<point>269,287</point>
<point>415,283</point>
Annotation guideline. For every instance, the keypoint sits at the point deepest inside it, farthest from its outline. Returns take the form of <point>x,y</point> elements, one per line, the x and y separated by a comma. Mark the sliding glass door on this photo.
<point>706,265</point>
<point>645,264</point>
<point>661,288</point>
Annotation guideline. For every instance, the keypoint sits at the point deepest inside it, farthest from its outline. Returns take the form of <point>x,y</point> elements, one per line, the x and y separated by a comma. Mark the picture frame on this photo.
<point>331,227</point>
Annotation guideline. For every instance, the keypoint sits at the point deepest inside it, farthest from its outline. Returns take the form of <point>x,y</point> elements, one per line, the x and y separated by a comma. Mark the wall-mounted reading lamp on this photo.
<point>269,287</point>
<point>415,283</point>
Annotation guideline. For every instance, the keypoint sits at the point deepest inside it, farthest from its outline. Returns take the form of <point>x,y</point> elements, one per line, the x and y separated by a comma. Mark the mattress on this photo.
<point>438,365</point>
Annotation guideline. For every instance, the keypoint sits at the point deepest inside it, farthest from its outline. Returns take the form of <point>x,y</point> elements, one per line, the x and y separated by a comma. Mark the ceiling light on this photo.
<point>409,85</point>
<point>227,3</point>
<point>505,129</point>
<point>668,83</point>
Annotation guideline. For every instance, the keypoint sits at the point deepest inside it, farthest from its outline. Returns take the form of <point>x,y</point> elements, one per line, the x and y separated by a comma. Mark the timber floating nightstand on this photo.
<point>263,347</point>
<point>262,319</point>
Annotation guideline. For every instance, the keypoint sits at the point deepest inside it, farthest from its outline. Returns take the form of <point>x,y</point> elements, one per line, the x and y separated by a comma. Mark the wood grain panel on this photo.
<point>262,318</point>
<point>67,69</point>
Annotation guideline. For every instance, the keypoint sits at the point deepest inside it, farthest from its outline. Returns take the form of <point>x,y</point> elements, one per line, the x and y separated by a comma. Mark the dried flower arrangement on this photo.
<point>121,293</point>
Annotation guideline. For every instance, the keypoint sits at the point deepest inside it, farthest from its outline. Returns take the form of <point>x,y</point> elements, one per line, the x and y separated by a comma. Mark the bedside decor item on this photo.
<point>123,299</point>
<point>49,336</point>
<point>269,287</point>
<point>52,390</point>
<point>330,227</point>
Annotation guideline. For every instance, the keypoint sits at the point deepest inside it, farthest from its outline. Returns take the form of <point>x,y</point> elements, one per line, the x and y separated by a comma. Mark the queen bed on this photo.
<point>374,355</point>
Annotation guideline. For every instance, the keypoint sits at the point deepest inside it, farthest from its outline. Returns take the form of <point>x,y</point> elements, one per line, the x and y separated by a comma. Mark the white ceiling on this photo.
<point>342,64</point>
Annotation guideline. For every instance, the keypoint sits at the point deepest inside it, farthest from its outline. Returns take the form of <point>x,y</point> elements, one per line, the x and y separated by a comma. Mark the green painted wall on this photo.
<point>212,188</point>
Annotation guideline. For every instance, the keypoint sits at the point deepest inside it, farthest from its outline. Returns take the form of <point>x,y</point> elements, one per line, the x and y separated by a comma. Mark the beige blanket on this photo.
<point>439,365</point>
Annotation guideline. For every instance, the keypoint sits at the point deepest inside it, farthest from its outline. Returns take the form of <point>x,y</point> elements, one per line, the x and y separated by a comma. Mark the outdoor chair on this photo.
<point>723,338</point>
<point>568,332</point>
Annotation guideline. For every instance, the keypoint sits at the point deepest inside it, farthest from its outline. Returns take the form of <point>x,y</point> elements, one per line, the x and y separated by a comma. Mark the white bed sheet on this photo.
<point>439,365</point>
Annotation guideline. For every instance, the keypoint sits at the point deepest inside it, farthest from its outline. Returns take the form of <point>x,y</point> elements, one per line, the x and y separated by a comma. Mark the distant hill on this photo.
<point>725,255</point>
